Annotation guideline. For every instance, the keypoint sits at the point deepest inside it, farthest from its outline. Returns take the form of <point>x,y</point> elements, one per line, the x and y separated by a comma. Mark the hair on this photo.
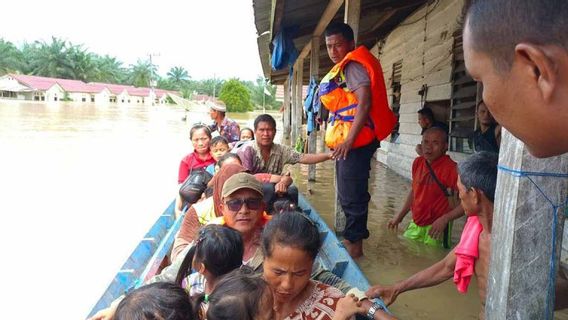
<point>199,126</point>
<point>219,248</point>
<point>497,26</point>
<point>159,300</point>
<point>265,118</point>
<point>427,113</point>
<point>237,296</point>
<point>291,229</point>
<point>217,140</point>
<point>226,156</point>
<point>249,129</point>
<point>437,129</point>
<point>479,171</point>
<point>340,28</point>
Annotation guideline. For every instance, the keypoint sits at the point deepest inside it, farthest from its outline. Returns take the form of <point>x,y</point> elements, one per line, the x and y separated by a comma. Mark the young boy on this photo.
<point>218,147</point>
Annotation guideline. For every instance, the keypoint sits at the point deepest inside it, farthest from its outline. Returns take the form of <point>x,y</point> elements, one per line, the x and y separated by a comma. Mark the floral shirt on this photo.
<point>320,305</point>
<point>280,155</point>
<point>229,129</point>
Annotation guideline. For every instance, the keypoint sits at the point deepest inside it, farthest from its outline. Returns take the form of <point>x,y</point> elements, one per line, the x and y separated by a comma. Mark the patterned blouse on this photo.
<point>280,155</point>
<point>320,305</point>
<point>229,129</point>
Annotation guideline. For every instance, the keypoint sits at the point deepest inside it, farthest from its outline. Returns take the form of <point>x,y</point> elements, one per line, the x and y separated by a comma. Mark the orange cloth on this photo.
<point>428,201</point>
<point>467,251</point>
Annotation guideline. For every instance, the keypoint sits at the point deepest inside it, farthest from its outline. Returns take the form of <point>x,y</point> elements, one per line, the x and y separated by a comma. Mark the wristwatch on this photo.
<point>373,309</point>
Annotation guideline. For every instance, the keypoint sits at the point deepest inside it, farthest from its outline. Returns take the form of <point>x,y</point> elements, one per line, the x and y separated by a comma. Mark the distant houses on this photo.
<point>35,88</point>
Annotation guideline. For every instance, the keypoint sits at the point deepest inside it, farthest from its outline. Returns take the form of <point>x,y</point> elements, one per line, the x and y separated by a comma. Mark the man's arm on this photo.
<point>436,274</point>
<point>313,158</point>
<point>363,94</point>
<point>395,221</point>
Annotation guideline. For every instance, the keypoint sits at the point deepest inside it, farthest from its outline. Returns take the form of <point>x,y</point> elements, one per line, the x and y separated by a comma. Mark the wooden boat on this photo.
<point>151,254</point>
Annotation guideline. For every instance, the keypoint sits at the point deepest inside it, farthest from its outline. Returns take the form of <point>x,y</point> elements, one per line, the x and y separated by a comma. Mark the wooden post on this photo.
<point>526,237</point>
<point>293,103</point>
<point>352,14</point>
<point>314,74</point>
<point>299,103</point>
<point>286,117</point>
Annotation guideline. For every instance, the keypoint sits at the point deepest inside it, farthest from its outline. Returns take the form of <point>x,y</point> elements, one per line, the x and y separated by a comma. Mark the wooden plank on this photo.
<point>352,16</point>
<point>314,74</point>
<point>287,117</point>
<point>276,17</point>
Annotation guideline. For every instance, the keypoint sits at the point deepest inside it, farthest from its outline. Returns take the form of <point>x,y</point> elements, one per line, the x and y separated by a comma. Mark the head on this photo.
<point>200,137</point>
<point>241,295</point>
<point>522,62</point>
<point>217,251</point>
<point>242,204</point>
<point>217,109</point>
<point>219,146</point>
<point>425,118</point>
<point>339,41</point>
<point>290,244</point>
<point>219,179</point>
<point>247,134</point>
<point>229,158</point>
<point>160,300</point>
<point>434,143</point>
<point>265,130</point>
<point>483,115</point>
<point>477,180</point>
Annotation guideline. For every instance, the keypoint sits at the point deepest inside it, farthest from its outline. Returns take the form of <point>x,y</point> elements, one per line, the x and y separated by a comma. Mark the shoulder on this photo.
<point>188,158</point>
<point>327,290</point>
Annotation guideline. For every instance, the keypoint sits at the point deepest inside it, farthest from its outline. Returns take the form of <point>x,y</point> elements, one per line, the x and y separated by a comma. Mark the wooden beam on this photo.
<point>287,116</point>
<point>293,103</point>
<point>299,103</point>
<point>352,16</point>
<point>326,17</point>
<point>524,250</point>
<point>314,74</point>
<point>276,17</point>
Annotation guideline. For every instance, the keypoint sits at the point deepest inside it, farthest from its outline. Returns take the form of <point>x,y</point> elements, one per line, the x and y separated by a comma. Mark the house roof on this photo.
<point>114,88</point>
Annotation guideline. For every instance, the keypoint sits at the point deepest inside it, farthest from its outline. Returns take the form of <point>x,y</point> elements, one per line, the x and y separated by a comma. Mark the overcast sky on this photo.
<point>207,37</point>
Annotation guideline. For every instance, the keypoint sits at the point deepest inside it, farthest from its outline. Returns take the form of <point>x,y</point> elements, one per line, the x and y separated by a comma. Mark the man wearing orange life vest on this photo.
<point>354,92</point>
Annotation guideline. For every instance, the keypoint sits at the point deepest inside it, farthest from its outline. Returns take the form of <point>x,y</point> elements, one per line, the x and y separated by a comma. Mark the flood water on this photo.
<point>81,184</point>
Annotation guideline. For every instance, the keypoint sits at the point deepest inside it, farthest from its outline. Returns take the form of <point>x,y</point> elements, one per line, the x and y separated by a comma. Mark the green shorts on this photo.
<point>420,234</point>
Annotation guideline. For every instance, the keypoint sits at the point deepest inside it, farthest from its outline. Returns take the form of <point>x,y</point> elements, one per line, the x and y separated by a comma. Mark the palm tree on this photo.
<point>179,77</point>
<point>82,62</point>
<point>52,60</point>
<point>109,69</point>
<point>10,58</point>
<point>142,73</point>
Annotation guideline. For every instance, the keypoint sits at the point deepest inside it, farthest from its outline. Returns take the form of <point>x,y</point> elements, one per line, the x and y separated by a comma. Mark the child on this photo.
<point>219,146</point>
<point>217,251</point>
<point>159,300</point>
<point>241,295</point>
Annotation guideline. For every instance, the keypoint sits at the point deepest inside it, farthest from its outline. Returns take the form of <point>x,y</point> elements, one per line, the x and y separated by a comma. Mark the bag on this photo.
<point>194,185</point>
<point>451,195</point>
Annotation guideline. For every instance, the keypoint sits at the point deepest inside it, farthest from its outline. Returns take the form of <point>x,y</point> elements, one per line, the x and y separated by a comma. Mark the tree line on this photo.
<point>63,59</point>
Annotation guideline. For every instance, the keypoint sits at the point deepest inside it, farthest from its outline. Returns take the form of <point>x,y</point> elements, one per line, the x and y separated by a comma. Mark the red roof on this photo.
<point>35,82</point>
<point>114,88</point>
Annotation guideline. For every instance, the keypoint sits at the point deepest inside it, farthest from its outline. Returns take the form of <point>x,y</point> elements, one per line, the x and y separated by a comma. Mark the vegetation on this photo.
<point>62,59</point>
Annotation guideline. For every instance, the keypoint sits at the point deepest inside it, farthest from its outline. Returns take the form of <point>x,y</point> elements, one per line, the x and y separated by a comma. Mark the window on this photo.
<point>83,99</point>
<point>463,101</point>
<point>92,98</point>
<point>395,102</point>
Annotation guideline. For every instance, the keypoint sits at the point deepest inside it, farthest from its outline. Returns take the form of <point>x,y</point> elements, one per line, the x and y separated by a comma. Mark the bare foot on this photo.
<point>355,249</point>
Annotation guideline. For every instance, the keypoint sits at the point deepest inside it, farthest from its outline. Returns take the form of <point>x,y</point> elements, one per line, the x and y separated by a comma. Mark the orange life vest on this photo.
<point>342,103</point>
<point>221,220</point>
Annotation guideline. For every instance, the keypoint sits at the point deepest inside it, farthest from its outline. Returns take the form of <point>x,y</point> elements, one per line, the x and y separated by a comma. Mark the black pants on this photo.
<point>352,175</point>
<point>270,195</point>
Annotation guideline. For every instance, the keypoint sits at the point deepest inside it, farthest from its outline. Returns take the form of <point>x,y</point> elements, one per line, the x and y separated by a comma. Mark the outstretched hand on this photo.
<point>387,293</point>
<point>347,307</point>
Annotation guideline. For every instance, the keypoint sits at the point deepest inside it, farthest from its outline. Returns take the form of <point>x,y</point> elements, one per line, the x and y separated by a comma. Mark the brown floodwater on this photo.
<point>81,184</point>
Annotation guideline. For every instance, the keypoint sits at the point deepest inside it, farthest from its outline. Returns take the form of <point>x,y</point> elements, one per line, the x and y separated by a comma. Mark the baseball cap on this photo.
<point>241,180</point>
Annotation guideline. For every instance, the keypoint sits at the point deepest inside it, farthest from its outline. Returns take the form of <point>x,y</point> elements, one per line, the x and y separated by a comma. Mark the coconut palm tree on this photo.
<point>10,58</point>
<point>179,77</point>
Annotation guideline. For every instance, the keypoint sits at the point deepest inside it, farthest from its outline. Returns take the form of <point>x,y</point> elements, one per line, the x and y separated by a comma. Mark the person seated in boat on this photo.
<point>247,134</point>
<point>218,250</point>
<point>488,136</point>
<point>219,146</point>
<point>205,211</point>
<point>290,243</point>
<point>160,300</point>
<point>241,295</point>
<point>434,175</point>
<point>476,184</point>
<point>199,158</point>
<point>226,127</point>
<point>264,156</point>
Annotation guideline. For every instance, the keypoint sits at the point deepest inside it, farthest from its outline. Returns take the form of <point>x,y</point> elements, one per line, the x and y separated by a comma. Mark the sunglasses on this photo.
<point>237,204</point>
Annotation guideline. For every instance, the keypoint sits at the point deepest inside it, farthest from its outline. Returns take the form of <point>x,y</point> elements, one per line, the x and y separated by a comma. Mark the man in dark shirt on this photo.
<point>488,136</point>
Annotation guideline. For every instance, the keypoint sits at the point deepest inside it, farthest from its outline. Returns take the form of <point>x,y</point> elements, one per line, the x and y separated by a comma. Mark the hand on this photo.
<point>438,227</point>
<point>393,223</point>
<point>280,187</point>
<point>104,314</point>
<point>342,150</point>
<point>387,293</point>
<point>347,307</point>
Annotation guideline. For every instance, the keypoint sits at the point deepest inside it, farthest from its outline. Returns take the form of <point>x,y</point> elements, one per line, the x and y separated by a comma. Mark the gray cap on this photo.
<point>241,180</point>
